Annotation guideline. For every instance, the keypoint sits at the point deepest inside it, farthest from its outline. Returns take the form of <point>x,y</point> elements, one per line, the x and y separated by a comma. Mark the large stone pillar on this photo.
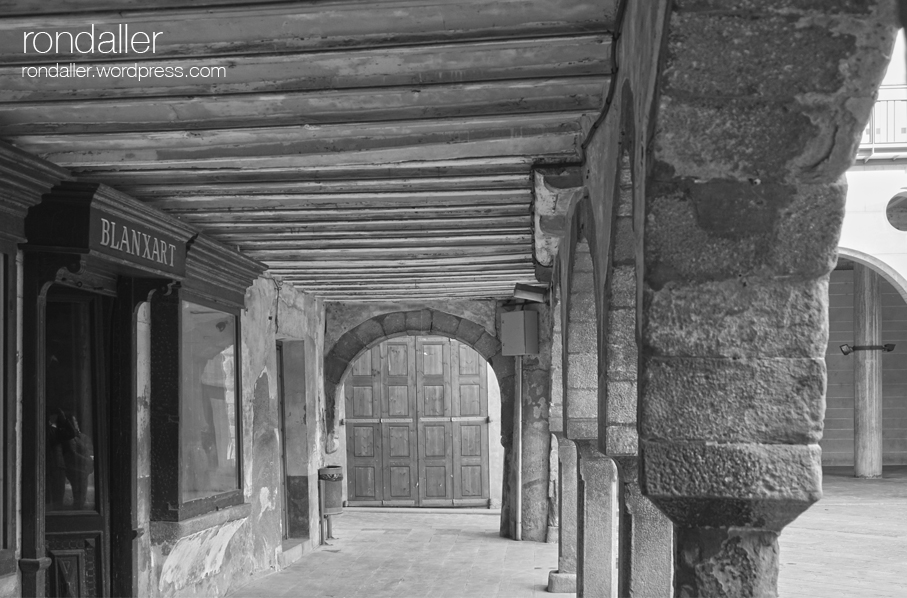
<point>867,374</point>
<point>563,581</point>
<point>744,204</point>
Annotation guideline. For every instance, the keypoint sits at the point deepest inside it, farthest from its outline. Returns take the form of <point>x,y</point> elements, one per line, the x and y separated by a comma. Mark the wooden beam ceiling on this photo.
<point>364,150</point>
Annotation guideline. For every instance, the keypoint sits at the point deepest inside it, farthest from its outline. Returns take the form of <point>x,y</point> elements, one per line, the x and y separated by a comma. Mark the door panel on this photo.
<point>398,410</point>
<point>470,406</point>
<point>434,428</point>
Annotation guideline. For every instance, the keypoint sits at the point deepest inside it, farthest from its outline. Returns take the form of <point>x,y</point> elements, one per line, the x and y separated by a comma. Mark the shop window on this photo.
<point>196,387</point>
<point>208,439</point>
<point>196,435</point>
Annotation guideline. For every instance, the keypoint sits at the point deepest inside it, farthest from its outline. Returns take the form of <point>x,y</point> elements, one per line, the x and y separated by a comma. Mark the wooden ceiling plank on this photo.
<point>316,234</point>
<point>223,191</point>
<point>313,261</point>
<point>322,107</point>
<point>240,218</point>
<point>347,201</point>
<point>356,134</point>
<point>315,270</point>
<point>488,165</point>
<point>456,240</point>
<point>562,146</point>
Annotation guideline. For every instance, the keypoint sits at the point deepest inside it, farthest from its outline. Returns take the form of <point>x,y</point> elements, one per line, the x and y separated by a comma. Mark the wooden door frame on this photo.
<point>87,273</point>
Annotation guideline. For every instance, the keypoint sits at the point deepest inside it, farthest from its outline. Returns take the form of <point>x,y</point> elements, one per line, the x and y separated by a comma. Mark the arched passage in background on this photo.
<point>431,322</point>
<point>838,442</point>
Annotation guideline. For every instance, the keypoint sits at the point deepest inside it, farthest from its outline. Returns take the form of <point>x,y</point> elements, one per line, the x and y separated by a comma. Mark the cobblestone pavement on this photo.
<point>852,543</point>
<point>407,554</point>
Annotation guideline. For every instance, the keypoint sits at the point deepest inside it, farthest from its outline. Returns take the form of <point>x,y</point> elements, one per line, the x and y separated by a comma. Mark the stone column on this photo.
<point>563,581</point>
<point>596,539</point>
<point>744,204</point>
<point>596,495</point>
<point>645,535</point>
<point>867,374</point>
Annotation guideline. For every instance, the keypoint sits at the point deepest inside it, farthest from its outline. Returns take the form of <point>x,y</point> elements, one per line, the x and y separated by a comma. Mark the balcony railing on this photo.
<point>885,137</point>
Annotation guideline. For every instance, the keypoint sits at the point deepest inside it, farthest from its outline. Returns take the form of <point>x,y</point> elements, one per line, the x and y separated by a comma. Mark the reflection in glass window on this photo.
<point>70,393</point>
<point>208,449</point>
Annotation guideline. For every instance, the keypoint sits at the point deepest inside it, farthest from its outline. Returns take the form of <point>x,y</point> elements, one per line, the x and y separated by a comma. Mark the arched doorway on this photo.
<point>420,425</point>
<point>838,441</point>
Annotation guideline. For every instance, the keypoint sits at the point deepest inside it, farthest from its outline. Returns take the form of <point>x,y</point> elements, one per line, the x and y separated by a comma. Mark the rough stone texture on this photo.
<point>468,331</point>
<point>748,485</point>
<point>556,410</point>
<point>563,580</point>
<point>556,191</point>
<point>739,318</point>
<point>650,553</point>
<point>341,317</point>
<point>743,208</point>
<point>418,321</point>
<point>596,523</point>
<point>726,563</point>
<point>580,353</point>
<point>211,554</point>
<point>444,323</point>
<point>536,439</point>
<point>747,400</point>
<point>488,346</point>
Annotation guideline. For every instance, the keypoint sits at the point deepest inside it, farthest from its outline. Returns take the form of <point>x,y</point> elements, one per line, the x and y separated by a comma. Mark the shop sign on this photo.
<point>137,243</point>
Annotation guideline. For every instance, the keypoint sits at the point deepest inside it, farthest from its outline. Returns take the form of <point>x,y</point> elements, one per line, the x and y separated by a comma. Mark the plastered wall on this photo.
<point>219,552</point>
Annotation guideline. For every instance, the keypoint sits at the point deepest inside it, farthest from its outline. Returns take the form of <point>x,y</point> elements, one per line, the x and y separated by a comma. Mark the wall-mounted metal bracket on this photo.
<point>847,349</point>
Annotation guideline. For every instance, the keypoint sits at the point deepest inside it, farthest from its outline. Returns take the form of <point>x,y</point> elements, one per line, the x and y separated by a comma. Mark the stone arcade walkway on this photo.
<point>407,554</point>
<point>852,544</point>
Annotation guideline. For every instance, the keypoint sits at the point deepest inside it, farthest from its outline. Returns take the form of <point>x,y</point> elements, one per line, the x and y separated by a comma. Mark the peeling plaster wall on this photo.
<point>246,541</point>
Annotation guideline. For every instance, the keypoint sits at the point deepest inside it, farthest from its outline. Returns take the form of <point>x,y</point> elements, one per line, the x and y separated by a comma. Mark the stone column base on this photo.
<point>561,583</point>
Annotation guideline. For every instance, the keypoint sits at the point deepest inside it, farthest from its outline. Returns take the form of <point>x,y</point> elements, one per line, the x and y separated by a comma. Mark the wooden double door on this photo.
<point>417,425</point>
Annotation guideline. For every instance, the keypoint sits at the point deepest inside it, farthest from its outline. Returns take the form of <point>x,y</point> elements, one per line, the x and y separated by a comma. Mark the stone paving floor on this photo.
<point>852,544</point>
<point>409,554</point>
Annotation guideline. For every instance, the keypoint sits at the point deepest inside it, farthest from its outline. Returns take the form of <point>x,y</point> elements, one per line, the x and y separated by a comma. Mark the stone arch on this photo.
<point>373,331</point>
<point>579,320</point>
<point>879,266</point>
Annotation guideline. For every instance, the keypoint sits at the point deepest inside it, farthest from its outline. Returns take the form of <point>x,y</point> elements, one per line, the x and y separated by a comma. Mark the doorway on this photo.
<point>77,507</point>
<point>417,425</point>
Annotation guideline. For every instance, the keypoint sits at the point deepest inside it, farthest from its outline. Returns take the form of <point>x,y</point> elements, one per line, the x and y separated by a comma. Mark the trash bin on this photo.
<point>331,478</point>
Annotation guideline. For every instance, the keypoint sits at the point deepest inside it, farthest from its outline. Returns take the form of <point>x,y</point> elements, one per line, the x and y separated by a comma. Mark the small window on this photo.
<point>208,439</point>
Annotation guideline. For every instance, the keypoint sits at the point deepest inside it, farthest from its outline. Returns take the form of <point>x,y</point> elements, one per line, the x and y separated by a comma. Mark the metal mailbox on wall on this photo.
<point>520,332</point>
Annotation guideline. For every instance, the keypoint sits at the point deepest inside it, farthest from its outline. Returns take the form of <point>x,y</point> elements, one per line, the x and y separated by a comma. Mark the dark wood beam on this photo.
<point>284,109</point>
